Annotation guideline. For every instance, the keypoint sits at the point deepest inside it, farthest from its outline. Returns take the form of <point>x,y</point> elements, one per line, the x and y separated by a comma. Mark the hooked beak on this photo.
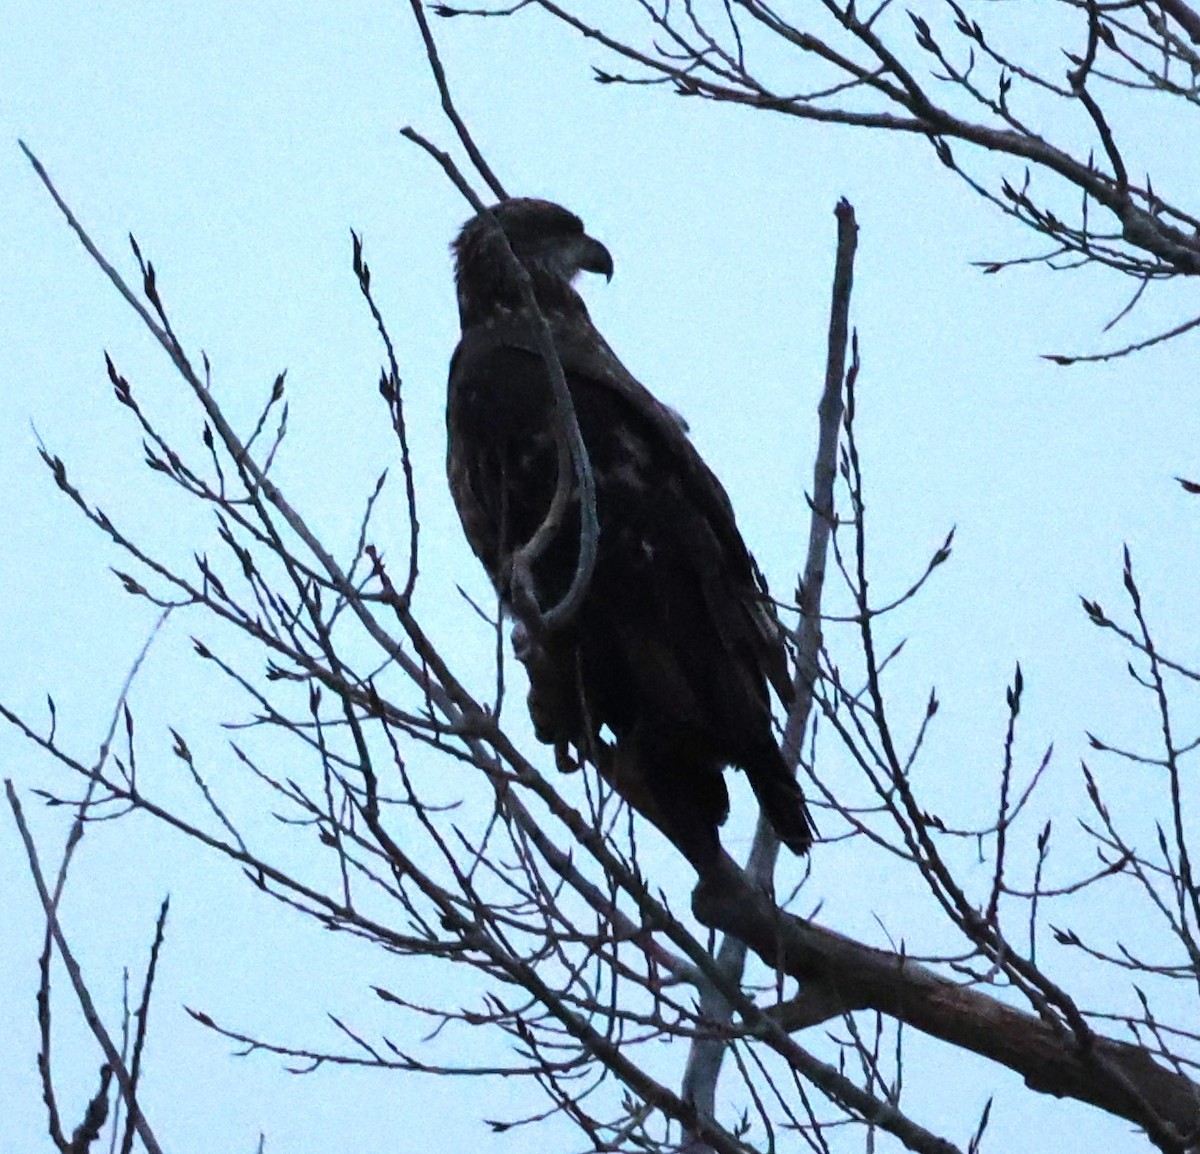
<point>594,257</point>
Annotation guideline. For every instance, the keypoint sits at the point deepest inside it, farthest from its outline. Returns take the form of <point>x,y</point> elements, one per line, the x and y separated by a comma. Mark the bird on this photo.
<point>661,673</point>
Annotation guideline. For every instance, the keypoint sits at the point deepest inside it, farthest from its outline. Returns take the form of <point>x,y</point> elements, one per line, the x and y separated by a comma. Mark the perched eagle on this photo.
<point>661,675</point>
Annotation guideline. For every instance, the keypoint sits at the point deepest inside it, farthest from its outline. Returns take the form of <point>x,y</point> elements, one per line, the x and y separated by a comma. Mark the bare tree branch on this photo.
<point>704,1062</point>
<point>112,1055</point>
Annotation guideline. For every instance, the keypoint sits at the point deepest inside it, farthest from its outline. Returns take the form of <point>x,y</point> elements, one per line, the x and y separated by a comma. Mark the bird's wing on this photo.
<point>734,587</point>
<point>585,354</point>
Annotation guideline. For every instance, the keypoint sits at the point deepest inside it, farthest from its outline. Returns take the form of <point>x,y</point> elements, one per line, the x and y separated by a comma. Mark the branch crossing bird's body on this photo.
<point>674,643</point>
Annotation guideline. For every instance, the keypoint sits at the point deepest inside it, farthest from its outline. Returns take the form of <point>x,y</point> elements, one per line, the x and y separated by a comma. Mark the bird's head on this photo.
<point>545,238</point>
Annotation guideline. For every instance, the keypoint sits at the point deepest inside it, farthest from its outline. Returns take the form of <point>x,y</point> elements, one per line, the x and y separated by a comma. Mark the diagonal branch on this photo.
<point>112,1055</point>
<point>574,464</point>
<point>1184,15</point>
<point>1117,1077</point>
<point>439,76</point>
<point>1144,217</point>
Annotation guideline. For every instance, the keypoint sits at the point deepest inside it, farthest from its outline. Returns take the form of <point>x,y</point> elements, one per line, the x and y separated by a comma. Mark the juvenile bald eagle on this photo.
<point>661,676</point>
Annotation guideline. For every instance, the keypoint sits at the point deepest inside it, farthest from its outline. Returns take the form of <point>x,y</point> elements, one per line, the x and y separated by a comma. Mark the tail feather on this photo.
<point>782,801</point>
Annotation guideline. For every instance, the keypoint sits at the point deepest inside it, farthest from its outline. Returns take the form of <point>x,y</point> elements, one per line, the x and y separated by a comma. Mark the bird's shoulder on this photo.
<point>499,384</point>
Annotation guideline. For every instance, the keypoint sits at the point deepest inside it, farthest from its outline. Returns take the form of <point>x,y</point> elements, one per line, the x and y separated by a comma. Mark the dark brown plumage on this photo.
<point>662,675</point>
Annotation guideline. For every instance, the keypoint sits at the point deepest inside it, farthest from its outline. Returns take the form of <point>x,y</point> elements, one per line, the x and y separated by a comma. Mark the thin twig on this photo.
<point>111,1054</point>
<point>439,76</point>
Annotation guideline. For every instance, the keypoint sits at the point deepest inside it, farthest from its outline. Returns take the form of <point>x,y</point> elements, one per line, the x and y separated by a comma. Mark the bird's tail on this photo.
<point>782,801</point>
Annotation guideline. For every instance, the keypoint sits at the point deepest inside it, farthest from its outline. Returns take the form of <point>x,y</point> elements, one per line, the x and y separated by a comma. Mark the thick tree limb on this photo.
<point>1117,1077</point>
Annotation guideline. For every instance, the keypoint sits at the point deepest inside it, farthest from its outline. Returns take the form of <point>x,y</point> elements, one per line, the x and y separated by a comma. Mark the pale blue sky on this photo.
<point>241,143</point>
